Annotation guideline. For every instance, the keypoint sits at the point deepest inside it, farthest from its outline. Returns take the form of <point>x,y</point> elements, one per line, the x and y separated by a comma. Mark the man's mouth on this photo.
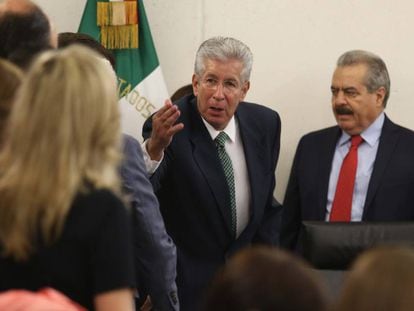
<point>216,109</point>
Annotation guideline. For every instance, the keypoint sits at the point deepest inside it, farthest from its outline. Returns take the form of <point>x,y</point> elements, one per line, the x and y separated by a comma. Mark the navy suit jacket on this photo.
<point>194,197</point>
<point>155,252</point>
<point>390,195</point>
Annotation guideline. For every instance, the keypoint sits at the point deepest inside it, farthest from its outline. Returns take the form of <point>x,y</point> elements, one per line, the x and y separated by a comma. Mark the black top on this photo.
<point>93,255</point>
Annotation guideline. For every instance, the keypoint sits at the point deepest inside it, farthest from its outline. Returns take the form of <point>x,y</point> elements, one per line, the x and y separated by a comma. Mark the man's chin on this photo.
<point>350,129</point>
<point>345,124</point>
<point>216,122</point>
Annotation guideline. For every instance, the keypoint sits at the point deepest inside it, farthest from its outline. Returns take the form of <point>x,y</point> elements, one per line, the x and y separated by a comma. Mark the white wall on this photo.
<point>295,43</point>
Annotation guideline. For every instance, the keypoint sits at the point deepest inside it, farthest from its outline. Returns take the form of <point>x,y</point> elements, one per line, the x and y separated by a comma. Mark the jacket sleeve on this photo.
<point>155,252</point>
<point>291,216</point>
<point>269,231</point>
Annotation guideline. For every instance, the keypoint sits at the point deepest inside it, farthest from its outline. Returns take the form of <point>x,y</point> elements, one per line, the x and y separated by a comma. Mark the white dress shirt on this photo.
<point>234,149</point>
<point>367,153</point>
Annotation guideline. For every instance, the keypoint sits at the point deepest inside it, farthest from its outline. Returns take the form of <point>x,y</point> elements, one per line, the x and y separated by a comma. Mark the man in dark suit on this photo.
<point>382,188</point>
<point>213,206</point>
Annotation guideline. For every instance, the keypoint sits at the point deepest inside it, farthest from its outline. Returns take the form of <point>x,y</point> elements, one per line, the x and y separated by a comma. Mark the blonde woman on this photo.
<point>62,224</point>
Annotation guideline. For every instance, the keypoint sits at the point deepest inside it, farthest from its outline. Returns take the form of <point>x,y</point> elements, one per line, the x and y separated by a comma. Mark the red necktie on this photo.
<point>342,204</point>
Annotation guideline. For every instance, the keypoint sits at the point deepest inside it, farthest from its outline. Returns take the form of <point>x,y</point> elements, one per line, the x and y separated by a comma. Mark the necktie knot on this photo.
<point>356,140</point>
<point>221,139</point>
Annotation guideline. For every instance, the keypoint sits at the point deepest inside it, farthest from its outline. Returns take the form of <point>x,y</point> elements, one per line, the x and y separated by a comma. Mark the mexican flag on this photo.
<point>141,84</point>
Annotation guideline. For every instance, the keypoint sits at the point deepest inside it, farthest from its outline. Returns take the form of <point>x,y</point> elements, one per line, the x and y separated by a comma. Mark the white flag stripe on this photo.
<point>146,98</point>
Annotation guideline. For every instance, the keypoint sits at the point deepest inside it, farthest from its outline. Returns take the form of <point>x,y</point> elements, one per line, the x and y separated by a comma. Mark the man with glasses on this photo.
<point>215,159</point>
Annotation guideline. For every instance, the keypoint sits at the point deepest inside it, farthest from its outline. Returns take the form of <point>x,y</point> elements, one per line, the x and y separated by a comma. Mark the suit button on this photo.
<point>173,296</point>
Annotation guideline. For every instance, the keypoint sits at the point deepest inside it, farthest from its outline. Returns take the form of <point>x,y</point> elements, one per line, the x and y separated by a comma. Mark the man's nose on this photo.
<point>339,98</point>
<point>219,92</point>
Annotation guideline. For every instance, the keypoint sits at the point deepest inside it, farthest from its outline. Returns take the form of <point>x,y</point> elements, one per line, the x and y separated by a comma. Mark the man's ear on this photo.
<point>194,82</point>
<point>245,88</point>
<point>380,93</point>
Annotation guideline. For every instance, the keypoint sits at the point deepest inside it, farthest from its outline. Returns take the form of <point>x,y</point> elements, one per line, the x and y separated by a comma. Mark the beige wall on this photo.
<point>295,43</point>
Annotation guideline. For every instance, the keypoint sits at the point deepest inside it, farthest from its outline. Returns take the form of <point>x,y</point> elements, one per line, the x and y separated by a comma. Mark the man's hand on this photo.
<point>163,129</point>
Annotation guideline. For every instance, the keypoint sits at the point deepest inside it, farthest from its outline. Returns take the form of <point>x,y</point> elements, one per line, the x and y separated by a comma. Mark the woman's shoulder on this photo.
<point>97,195</point>
<point>98,205</point>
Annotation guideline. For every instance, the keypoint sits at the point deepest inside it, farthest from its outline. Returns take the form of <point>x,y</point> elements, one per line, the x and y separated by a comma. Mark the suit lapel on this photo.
<point>254,151</point>
<point>325,164</point>
<point>206,157</point>
<point>388,141</point>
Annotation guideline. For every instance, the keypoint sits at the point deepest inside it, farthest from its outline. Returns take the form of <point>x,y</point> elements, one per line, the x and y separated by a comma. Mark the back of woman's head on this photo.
<point>265,279</point>
<point>63,136</point>
<point>381,279</point>
<point>10,79</point>
<point>67,112</point>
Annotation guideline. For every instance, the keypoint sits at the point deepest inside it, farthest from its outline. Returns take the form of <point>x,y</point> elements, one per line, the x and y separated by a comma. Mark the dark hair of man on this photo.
<point>10,79</point>
<point>377,74</point>
<point>181,92</point>
<point>23,35</point>
<point>69,38</point>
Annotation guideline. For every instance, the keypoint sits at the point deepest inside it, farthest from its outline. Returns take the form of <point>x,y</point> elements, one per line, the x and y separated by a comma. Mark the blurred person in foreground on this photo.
<point>11,78</point>
<point>155,253</point>
<point>25,31</point>
<point>265,279</point>
<point>62,223</point>
<point>381,279</point>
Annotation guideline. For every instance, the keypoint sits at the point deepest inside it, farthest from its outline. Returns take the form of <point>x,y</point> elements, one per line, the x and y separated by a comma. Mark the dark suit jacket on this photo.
<point>390,195</point>
<point>194,197</point>
<point>155,252</point>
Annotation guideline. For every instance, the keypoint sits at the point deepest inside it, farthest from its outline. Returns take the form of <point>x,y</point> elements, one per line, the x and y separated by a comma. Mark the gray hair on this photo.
<point>224,48</point>
<point>377,75</point>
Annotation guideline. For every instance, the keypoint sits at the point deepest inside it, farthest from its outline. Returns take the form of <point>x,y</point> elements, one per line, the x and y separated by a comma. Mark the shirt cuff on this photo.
<point>151,165</point>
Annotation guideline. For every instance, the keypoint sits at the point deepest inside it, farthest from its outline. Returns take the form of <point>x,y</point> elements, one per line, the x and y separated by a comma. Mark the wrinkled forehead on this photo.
<point>230,68</point>
<point>350,75</point>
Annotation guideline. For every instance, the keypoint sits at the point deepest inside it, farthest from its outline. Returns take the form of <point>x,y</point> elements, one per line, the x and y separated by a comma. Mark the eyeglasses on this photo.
<point>229,86</point>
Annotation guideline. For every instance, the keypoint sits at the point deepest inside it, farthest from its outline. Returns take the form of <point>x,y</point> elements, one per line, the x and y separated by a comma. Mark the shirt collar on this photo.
<point>230,129</point>
<point>370,135</point>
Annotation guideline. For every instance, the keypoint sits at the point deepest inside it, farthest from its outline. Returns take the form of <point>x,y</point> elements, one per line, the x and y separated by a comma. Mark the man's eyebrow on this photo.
<point>348,88</point>
<point>211,75</point>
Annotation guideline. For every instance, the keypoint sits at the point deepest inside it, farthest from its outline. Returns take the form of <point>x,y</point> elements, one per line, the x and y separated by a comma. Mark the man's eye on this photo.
<point>334,92</point>
<point>350,93</point>
<point>230,84</point>
<point>210,81</point>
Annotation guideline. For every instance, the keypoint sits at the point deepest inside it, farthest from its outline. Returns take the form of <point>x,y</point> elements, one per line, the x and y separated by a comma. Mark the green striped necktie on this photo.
<point>220,141</point>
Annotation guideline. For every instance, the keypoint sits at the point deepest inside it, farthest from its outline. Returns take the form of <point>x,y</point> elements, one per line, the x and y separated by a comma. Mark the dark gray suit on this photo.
<point>390,195</point>
<point>194,196</point>
<point>155,253</point>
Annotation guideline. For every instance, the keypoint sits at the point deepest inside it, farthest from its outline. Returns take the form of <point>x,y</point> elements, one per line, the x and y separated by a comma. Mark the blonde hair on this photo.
<point>64,138</point>
<point>10,79</point>
<point>380,279</point>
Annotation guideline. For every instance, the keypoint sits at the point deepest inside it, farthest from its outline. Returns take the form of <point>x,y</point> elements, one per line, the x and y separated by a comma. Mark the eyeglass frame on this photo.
<point>229,86</point>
